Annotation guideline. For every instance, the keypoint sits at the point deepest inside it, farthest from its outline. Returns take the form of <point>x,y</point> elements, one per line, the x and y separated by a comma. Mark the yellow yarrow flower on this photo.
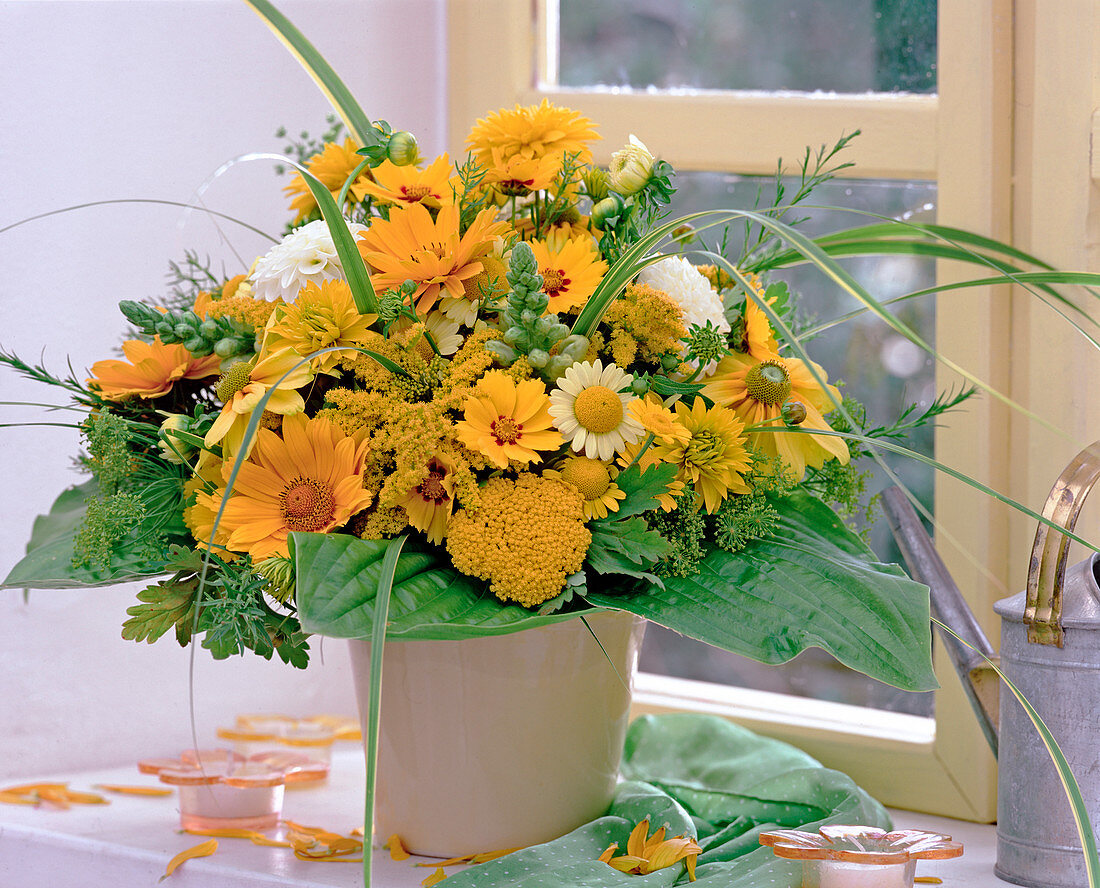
<point>646,854</point>
<point>321,317</point>
<point>525,537</point>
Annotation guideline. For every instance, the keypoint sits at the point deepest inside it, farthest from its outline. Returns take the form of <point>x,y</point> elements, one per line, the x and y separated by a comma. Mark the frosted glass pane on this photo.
<point>848,46</point>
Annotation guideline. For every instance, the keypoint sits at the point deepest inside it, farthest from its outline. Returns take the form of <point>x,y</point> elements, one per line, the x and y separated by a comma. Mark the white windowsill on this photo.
<point>129,842</point>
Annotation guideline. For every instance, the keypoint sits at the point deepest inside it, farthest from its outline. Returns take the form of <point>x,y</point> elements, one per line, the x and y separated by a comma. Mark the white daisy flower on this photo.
<point>306,254</point>
<point>444,331</point>
<point>589,409</point>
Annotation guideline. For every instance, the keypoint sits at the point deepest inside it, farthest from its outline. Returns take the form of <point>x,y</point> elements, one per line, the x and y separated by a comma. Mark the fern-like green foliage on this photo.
<point>164,605</point>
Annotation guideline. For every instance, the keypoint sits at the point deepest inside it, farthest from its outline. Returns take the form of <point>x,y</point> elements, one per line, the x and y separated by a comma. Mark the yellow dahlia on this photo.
<point>429,504</point>
<point>589,407</point>
<point>715,455</point>
<point>571,270</point>
<point>507,420</point>
<point>533,131</point>
<point>309,480</point>
<point>432,186</point>
<point>149,371</point>
<point>595,481</point>
<point>757,390</point>
<point>245,383</point>
<point>411,245</point>
<point>321,317</point>
<point>525,537</point>
<point>331,166</point>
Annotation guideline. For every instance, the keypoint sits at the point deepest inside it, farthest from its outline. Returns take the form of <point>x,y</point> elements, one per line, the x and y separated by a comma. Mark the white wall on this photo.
<point>140,99</point>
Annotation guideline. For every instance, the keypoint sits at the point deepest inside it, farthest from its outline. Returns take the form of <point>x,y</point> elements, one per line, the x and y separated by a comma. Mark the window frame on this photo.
<point>997,60</point>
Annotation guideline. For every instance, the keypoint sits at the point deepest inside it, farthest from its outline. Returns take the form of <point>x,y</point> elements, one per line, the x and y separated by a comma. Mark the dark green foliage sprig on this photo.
<point>684,529</point>
<point>224,336</point>
<point>745,517</point>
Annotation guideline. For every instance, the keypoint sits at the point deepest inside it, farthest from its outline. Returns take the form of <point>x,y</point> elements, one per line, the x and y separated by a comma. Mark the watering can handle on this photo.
<point>1047,572</point>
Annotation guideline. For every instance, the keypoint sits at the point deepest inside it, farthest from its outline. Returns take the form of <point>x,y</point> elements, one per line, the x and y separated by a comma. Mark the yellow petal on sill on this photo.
<point>204,849</point>
<point>453,861</point>
<point>54,797</point>
<point>435,878</point>
<point>357,832</point>
<point>16,798</point>
<point>135,790</point>
<point>486,856</point>
<point>397,848</point>
<point>84,798</point>
<point>609,853</point>
<point>257,838</point>
<point>32,788</point>
<point>928,880</point>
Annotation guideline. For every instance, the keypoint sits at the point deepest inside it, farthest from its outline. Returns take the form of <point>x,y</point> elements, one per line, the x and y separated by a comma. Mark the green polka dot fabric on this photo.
<point>702,776</point>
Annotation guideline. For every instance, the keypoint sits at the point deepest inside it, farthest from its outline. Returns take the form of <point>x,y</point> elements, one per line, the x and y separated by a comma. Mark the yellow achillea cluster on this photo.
<point>526,537</point>
<point>645,324</point>
<point>254,312</point>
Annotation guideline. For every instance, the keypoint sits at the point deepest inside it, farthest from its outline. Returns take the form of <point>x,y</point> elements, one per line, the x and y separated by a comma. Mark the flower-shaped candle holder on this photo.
<point>313,737</point>
<point>859,856</point>
<point>221,789</point>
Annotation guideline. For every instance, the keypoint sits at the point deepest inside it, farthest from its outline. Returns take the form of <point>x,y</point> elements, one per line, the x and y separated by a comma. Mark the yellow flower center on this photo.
<point>768,382</point>
<point>506,430</point>
<point>598,409</point>
<point>414,193</point>
<point>307,505</point>
<point>553,281</point>
<point>704,448</point>
<point>432,489</point>
<point>589,476</point>
<point>232,381</point>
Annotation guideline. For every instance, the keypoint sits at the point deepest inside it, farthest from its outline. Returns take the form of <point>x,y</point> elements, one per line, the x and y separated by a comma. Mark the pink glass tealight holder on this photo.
<point>219,789</point>
<point>859,856</point>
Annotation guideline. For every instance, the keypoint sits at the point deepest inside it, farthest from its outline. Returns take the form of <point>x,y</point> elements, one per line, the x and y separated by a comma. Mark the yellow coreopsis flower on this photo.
<point>243,386</point>
<point>571,270</point>
<point>532,131</point>
<point>411,245</point>
<point>432,186</point>
<point>429,504</point>
<point>757,390</point>
<point>508,420</point>
<point>331,166</point>
<point>321,317</point>
<point>149,371</point>
<point>309,480</point>
<point>646,854</point>
<point>519,175</point>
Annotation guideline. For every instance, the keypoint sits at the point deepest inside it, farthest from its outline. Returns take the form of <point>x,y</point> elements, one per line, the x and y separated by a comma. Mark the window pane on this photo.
<point>878,367</point>
<point>848,46</point>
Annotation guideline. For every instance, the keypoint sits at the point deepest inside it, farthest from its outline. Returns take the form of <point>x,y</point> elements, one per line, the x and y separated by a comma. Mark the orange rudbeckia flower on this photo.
<point>149,371</point>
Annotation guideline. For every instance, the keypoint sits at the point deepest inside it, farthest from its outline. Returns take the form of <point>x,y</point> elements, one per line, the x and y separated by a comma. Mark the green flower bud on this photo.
<point>208,329</point>
<point>595,184</point>
<point>174,449</point>
<point>196,345</point>
<point>515,335</point>
<point>606,213</point>
<point>538,358</point>
<point>640,386</point>
<point>794,413</point>
<point>630,168</point>
<point>226,348</point>
<point>670,362</point>
<point>182,331</point>
<point>402,149</point>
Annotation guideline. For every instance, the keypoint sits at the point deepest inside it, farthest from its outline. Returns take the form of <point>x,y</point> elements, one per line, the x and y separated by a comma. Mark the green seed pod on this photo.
<point>606,213</point>
<point>402,149</point>
<point>226,348</point>
<point>538,358</point>
<point>640,386</point>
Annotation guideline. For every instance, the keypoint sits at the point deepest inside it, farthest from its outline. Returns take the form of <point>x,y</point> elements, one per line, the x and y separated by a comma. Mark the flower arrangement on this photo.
<point>497,359</point>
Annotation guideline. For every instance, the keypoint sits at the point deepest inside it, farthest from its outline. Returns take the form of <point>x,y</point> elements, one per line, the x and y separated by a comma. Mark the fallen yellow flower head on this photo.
<point>646,854</point>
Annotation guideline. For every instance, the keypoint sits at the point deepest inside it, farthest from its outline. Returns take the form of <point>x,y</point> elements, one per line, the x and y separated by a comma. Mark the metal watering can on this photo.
<point>1050,649</point>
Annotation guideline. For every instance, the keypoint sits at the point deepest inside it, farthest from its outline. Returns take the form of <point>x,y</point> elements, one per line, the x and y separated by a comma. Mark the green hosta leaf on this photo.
<point>48,563</point>
<point>337,577</point>
<point>625,547</point>
<point>811,583</point>
<point>642,487</point>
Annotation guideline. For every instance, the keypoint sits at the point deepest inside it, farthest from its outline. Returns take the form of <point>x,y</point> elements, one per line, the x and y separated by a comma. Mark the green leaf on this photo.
<point>811,583</point>
<point>337,578</point>
<point>642,487</point>
<point>163,605</point>
<point>326,79</point>
<point>48,563</point>
<point>626,547</point>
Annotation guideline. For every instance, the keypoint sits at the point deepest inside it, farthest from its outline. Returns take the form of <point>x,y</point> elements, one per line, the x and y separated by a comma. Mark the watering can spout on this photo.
<point>970,659</point>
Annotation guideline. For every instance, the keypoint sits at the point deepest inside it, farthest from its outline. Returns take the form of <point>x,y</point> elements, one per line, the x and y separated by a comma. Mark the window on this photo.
<point>1007,162</point>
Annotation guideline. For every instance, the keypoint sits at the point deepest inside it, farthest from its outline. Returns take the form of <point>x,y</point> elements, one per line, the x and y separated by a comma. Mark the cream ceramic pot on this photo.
<point>503,741</point>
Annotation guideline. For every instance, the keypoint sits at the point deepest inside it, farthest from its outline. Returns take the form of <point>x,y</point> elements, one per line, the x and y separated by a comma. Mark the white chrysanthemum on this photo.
<point>692,291</point>
<point>305,255</point>
<point>589,409</point>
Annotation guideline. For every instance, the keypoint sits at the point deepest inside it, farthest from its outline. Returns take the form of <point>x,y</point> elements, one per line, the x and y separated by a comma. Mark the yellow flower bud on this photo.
<point>631,168</point>
<point>172,448</point>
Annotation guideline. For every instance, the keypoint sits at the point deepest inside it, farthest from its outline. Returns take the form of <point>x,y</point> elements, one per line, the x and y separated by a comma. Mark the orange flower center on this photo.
<point>307,505</point>
<point>415,193</point>
<point>432,489</point>
<point>506,430</point>
<point>554,281</point>
<point>598,409</point>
